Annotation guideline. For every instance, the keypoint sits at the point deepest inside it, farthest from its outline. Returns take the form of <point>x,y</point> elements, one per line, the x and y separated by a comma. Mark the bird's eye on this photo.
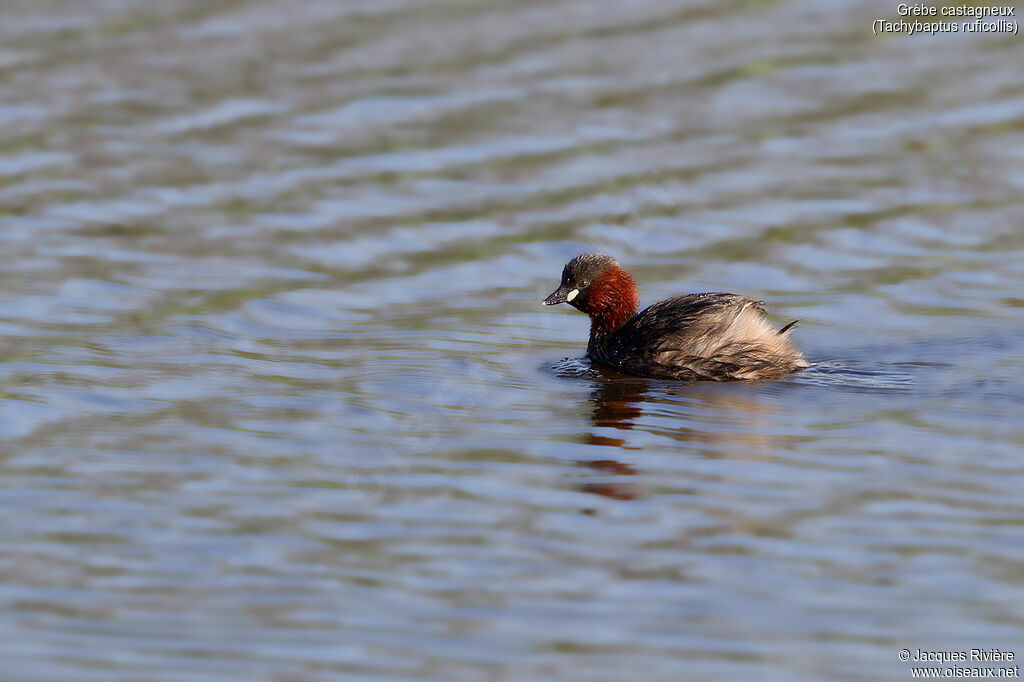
<point>584,284</point>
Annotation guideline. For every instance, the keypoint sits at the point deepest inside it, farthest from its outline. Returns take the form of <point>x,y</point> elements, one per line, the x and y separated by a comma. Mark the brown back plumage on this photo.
<point>716,336</point>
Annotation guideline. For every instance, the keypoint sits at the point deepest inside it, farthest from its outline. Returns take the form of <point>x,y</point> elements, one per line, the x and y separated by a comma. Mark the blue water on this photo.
<point>280,402</point>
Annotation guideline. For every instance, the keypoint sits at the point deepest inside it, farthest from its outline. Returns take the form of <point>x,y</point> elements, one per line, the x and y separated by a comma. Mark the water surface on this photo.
<point>279,400</point>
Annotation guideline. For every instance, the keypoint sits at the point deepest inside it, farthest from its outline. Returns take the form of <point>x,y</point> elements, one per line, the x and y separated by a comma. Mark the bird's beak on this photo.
<point>561,295</point>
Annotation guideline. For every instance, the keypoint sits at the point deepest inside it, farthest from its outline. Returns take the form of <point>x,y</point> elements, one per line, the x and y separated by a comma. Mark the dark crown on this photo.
<point>588,266</point>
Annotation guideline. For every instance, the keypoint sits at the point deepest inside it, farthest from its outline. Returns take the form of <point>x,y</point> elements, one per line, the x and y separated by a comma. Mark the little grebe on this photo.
<point>717,337</point>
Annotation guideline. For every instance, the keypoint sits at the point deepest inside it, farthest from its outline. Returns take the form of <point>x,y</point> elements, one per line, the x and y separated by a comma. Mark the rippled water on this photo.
<point>280,401</point>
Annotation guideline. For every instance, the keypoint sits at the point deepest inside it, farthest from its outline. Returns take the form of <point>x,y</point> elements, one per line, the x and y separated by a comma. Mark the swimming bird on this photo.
<point>712,336</point>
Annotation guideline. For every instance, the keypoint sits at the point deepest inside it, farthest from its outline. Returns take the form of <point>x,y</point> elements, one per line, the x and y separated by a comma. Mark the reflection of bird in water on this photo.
<point>616,404</point>
<point>714,420</point>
